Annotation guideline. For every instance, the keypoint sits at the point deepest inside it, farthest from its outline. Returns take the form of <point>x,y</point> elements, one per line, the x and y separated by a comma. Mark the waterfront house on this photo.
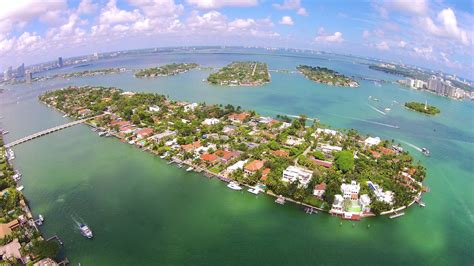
<point>154,108</point>
<point>370,141</point>
<point>210,121</point>
<point>235,166</point>
<point>127,129</point>
<point>319,190</point>
<point>127,93</point>
<point>226,155</point>
<point>238,117</point>
<point>209,158</point>
<point>284,125</point>
<point>327,131</point>
<point>365,203</point>
<point>46,262</point>
<point>349,189</point>
<point>265,120</point>
<point>253,166</point>
<point>281,153</point>
<point>386,196</point>
<point>84,112</point>
<point>338,205</point>
<point>295,173</point>
<point>191,146</point>
<point>144,133</point>
<point>6,229</point>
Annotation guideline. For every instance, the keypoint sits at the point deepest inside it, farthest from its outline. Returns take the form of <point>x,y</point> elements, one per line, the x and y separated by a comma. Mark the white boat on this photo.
<point>40,217</point>
<point>189,169</point>
<point>4,132</point>
<point>162,156</point>
<point>425,151</point>
<point>20,188</point>
<point>102,133</point>
<point>16,177</point>
<point>254,190</point>
<point>234,185</point>
<point>85,231</point>
<point>280,200</point>
<point>387,109</point>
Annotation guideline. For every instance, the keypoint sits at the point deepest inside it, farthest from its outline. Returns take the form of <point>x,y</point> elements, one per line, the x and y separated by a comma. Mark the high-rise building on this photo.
<point>28,76</point>
<point>7,74</point>
<point>20,71</point>
<point>60,62</point>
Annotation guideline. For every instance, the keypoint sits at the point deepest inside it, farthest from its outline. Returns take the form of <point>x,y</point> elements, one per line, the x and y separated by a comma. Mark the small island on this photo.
<point>422,108</point>
<point>327,76</point>
<point>298,160</point>
<point>241,74</point>
<point>165,70</point>
<point>92,73</point>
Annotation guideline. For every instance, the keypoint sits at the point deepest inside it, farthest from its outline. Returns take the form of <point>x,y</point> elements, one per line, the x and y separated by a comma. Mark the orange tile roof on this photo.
<point>320,186</point>
<point>208,157</point>
<point>145,132</point>
<point>240,116</point>
<point>254,165</point>
<point>386,151</point>
<point>281,153</point>
<point>191,146</point>
<point>227,155</point>
<point>265,174</point>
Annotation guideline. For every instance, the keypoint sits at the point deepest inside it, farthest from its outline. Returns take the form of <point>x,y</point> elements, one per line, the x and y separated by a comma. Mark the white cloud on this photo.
<point>448,27</point>
<point>286,20</point>
<point>292,5</point>
<point>210,4</point>
<point>383,46</point>
<point>87,7</point>
<point>410,6</point>
<point>425,52</point>
<point>241,23</point>
<point>26,10</point>
<point>111,14</point>
<point>331,38</point>
<point>158,8</point>
<point>402,44</point>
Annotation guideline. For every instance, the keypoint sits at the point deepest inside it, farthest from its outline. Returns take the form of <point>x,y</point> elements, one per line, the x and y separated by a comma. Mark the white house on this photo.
<point>210,121</point>
<point>284,125</point>
<point>294,173</point>
<point>337,205</point>
<point>319,190</point>
<point>265,120</point>
<point>330,148</point>
<point>190,107</point>
<point>154,108</point>
<point>292,141</point>
<point>235,166</point>
<point>327,131</point>
<point>349,189</point>
<point>386,196</point>
<point>365,203</point>
<point>372,141</point>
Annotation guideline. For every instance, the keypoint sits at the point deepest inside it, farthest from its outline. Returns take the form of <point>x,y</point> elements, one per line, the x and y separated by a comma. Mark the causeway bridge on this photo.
<point>44,132</point>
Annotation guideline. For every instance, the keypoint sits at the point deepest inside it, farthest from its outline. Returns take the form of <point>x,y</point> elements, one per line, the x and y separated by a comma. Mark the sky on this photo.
<point>436,34</point>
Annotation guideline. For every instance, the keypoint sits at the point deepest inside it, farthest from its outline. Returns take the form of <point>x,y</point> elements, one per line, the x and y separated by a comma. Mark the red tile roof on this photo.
<point>254,165</point>
<point>227,155</point>
<point>386,151</point>
<point>375,154</point>
<point>191,146</point>
<point>120,123</point>
<point>144,132</point>
<point>281,153</point>
<point>208,157</point>
<point>240,116</point>
<point>320,186</point>
<point>265,173</point>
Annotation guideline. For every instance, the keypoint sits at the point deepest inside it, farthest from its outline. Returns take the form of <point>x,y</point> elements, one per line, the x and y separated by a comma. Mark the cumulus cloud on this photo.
<point>87,7</point>
<point>210,4</point>
<point>286,20</point>
<point>447,28</point>
<point>161,8</point>
<point>366,34</point>
<point>383,46</point>
<point>402,44</point>
<point>292,5</point>
<point>329,38</point>
<point>413,6</point>
<point>111,14</point>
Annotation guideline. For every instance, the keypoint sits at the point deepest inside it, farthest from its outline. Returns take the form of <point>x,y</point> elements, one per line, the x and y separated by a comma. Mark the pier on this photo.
<point>44,132</point>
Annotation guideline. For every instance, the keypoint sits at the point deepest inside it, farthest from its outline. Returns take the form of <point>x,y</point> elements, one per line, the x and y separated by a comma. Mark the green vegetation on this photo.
<point>241,74</point>
<point>165,70</point>
<point>184,134</point>
<point>326,76</point>
<point>91,73</point>
<point>422,108</point>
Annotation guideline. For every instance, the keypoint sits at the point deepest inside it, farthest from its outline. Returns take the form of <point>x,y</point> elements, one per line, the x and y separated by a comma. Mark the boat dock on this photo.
<point>55,237</point>
<point>396,215</point>
<point>280,200</point>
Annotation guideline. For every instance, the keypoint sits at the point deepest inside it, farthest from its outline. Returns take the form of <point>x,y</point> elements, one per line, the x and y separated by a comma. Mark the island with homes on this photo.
<point>21,243</point>
<point>422,108</point>
<point>165,70</point>
<point>337,171</point>
<point>326,76</point>
<point>247,73</point>
<point>92,73</point>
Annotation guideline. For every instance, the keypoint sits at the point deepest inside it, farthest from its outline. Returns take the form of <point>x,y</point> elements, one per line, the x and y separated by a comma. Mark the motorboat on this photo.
<point>86,231</point>
<point>425,151</point>
<point>234,186</point>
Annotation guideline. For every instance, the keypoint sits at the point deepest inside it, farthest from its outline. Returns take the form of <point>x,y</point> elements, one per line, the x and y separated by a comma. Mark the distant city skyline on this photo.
<point>436,35</point>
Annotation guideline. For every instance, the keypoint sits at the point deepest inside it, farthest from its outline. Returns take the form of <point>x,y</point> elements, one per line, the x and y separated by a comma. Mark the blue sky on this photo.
<point>436,34</point>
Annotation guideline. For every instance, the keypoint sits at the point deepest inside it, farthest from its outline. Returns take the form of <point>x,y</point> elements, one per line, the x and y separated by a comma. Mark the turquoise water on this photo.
<point>143,211</point>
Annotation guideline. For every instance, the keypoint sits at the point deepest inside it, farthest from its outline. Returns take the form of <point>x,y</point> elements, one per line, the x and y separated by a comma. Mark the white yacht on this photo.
<point>234,185</point>
<point>85,231</point>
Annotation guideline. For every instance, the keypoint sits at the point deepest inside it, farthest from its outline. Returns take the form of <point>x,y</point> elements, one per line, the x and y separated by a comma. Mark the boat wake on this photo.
<point>377,110</point>
<point>78,221</point>
<point>411,145</point>
<point>367,121</point>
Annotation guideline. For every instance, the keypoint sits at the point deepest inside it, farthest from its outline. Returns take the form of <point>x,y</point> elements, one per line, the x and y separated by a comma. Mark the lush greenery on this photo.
<point>165,70</point>
<point>422,108</point>
<point>326,76</point>
<point>241,74</point>
<point>276,143</point>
